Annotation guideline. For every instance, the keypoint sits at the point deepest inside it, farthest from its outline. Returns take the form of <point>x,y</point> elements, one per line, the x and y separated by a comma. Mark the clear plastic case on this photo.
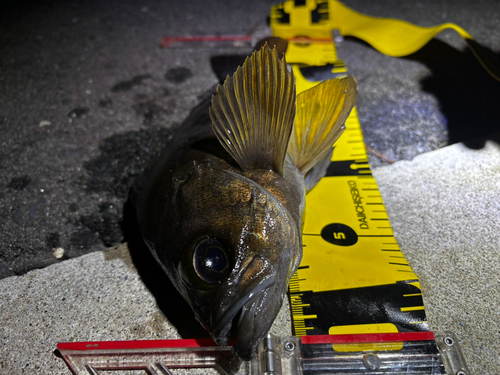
<point>395,353</point>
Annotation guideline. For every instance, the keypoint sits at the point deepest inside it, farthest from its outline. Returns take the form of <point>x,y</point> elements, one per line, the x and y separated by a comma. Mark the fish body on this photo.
<point>222,210</point>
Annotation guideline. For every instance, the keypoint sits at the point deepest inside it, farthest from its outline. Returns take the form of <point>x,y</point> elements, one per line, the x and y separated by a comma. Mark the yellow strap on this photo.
<point>399,38</point>
<point>389,36</point>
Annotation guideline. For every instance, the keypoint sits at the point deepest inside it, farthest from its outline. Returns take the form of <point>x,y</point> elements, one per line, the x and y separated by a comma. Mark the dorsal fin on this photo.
<point>253,111</point>
<point>321,114</point>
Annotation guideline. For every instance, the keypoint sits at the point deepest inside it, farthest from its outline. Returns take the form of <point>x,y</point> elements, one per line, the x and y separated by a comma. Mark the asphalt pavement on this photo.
<point>88,97</point>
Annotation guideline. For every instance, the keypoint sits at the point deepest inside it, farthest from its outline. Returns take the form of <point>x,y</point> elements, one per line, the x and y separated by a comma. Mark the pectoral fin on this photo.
<point>321,114</point>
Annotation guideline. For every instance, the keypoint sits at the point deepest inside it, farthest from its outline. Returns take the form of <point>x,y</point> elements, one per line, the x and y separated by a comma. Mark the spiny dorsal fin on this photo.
<point>253,112</point>
<point>321,114</point>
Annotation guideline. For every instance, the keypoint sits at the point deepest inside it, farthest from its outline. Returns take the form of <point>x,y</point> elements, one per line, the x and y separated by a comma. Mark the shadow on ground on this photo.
<point>468,96</point>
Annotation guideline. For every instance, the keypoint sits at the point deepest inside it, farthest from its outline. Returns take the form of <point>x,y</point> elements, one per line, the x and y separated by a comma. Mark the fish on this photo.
<point>222,210</point>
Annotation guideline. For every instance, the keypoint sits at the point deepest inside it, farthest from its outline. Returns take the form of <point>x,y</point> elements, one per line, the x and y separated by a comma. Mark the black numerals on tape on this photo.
<point>339,234</point>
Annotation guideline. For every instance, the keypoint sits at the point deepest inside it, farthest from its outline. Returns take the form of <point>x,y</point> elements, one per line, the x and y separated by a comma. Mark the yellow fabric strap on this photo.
<point>399,38</point>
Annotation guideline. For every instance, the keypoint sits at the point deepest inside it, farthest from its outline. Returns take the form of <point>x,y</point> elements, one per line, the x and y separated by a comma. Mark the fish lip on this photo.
<point>247,340</point>
<point>225,322</point>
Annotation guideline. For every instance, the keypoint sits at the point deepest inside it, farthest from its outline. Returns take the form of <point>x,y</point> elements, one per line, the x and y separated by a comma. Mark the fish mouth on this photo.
<point>246,321</point>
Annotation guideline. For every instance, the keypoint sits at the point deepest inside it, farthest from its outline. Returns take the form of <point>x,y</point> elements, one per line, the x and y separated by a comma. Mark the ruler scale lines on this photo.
<point>374,235</point>
<point>350,245</point>
<point>400,264</point>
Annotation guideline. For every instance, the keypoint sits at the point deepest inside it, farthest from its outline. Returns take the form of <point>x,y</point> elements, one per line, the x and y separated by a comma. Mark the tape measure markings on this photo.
<point>349,250</point>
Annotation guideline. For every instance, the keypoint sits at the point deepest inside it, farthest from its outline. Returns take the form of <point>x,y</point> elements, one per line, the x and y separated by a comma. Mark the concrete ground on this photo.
<point>87,98</point>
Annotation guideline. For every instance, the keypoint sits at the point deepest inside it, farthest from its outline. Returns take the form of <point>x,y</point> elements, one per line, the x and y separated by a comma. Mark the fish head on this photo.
<point>240,248</point>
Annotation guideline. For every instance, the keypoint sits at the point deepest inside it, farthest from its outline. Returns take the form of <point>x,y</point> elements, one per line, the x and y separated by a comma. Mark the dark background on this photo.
<point>87,98</point>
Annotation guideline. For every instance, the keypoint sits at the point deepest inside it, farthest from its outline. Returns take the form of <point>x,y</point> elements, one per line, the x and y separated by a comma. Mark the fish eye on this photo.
<point>211,262</point>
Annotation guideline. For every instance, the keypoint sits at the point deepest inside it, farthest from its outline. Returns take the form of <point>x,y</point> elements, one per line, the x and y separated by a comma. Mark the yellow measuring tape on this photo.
<point>316,19</point>
<point>353,277</point>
